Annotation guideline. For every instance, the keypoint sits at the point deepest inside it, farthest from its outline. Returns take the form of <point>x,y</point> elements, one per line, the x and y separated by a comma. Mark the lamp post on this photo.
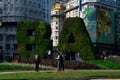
<point>80,6</point>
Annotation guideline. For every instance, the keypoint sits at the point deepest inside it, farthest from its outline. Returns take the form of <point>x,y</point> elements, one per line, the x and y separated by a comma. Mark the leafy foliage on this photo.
<point>21,66</point>
<point>34,34</point>
<point>74,36</point>
<point>105,64</point>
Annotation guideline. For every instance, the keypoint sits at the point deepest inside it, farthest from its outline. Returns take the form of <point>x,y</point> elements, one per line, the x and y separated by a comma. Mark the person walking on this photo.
<point>37,61</point>
<point>49,54</point>
<point>60,63</point>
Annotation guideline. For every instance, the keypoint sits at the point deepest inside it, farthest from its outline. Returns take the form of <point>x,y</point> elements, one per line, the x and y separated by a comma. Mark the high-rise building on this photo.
<point>117,24</point>
<point>72,8</point>
<point>57,16</point>
<point>99,19</point>
<point>57,20</point>
<point>53,2</point>
<point>12,11</point>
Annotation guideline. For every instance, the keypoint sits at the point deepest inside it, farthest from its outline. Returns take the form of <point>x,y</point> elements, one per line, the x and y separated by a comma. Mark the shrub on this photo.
<point>68,64</point>
<point>74,36</point>
<point>105,64</point>
<point>33,37</point>
<point>21,66</point>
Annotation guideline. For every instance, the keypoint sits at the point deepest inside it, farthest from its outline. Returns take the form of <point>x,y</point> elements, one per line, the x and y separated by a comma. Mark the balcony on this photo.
<point>10,33</point>
<point>1,5</point>
<point>86,1</point>
<point>58,13</point>
<point>1,42</point>
<point>14,41</point>
<point>106,2</point>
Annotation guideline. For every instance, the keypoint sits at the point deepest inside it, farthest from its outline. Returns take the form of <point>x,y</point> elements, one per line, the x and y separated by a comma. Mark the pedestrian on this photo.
<point>49,54</point>
<point>37,61</point>
<point>60,63</point>
<point>104,54</point>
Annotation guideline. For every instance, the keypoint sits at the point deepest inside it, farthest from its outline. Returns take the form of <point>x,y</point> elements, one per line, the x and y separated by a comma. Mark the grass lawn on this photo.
<point>57,75</point>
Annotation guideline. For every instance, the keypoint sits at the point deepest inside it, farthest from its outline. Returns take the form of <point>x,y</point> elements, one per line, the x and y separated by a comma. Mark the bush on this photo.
<point>68,64</point>
<point>105,64</point>
<point>75,37</point>
<point>21,66</point>
<point>33,34</point>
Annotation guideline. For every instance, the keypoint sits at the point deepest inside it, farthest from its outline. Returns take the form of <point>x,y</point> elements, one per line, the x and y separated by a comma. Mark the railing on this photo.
<point>85,1</point>
<point>10,32</point>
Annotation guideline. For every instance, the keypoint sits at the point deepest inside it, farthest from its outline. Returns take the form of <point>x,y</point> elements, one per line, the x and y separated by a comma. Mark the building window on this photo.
<point>31,32</point>
<point>56,37</point>
<point>31,47</point>
<point>56,12</point>
<point>8,38</point>
<point>1,12</point>
<point>15,46</point>
<point>7,46</point>
<point>47,15</point>
<point>48,1</point>
<point>56,23</point>
<point>44,15</point>
<point>56,32</point>
<point>1,38</point>
<point>56,27</point>
<point>39,5</point>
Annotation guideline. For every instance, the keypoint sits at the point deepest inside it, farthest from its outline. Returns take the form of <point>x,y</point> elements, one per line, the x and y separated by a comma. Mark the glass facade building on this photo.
<point>12,11</point>
<point>102,20</point>
<point>117,24</point>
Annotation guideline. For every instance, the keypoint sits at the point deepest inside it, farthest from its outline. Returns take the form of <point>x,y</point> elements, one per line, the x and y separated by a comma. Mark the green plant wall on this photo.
<point>75,37</point>
<point>41,38</point>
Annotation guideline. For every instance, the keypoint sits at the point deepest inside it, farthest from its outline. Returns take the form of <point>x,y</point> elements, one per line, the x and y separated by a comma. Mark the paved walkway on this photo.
<point>55,70</point>
<point>16,72</point>
<point>26,71</point>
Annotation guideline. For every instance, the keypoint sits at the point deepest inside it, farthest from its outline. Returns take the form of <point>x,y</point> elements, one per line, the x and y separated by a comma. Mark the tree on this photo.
<point>33,37</point>
<point>75,37</point>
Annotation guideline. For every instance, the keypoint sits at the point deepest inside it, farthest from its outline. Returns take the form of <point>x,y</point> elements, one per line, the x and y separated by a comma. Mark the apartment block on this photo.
<point>117,24</point>
<point>100,21</point>
<point>72,8</point>
<point>12,11</point>
<point>57,20</point>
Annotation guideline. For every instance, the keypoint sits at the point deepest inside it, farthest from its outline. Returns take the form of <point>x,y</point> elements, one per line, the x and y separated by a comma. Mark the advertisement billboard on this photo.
<point>100,25</point>
<point>90,22</point>
<point>105,26</point>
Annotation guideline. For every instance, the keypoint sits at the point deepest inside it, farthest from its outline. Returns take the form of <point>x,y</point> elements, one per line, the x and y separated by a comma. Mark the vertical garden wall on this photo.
<point>75,37</point>
<point>33,37</point>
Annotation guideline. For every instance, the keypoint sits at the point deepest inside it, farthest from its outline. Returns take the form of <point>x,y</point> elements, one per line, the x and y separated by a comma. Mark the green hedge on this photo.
<point>33,33</point>
<point>105,64</point>
<point>20,66</point>
<point>75,37</point>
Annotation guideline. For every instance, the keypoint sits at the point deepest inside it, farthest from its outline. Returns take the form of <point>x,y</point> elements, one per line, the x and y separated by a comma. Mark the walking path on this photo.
<point>16,72</point>
<point>55,70</point>
<point>26,71</point>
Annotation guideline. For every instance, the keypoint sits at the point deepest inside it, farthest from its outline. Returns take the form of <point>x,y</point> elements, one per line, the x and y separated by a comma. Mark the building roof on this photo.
<point>57,6</point>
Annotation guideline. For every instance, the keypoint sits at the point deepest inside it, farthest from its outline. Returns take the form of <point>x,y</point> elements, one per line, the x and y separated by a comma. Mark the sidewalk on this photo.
<point>49,71</point>
<point>11,72</point>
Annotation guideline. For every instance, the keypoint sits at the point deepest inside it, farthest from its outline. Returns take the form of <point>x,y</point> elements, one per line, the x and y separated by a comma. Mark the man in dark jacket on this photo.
<point>37,61</point>
<point>60,63</point>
